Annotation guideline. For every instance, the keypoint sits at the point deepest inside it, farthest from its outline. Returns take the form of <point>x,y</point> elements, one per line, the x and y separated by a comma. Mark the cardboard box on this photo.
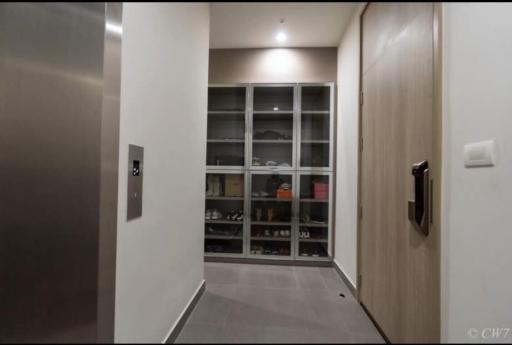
<point>234,185</point>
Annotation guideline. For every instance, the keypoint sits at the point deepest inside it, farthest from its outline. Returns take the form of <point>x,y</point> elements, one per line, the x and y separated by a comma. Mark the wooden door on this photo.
<point>399,265</point>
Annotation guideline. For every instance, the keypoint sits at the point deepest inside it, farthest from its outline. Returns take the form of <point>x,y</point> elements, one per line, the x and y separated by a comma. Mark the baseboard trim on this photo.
<point>345,279</point>
<point>319,263</point>
<point>381,332</point>
<point>182,319</point>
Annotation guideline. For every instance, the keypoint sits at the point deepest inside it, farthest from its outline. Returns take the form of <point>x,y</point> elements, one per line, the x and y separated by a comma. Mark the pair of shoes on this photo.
<point>305,218</point>
<point>257,250</point>
<point>213,215</point>
<point>260,194</point>
<point>281,233</point>
<point>235,215</point>
<point>304,234</point>
<point>284,251</point>
<point>213,186</point>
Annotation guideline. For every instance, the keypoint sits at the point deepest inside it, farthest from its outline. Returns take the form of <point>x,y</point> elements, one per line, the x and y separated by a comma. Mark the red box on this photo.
<point>321,190</point>
<point>283,193</point>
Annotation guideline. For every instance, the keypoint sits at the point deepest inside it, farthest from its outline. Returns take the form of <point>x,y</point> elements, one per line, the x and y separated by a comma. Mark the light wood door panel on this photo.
<point>398,264</point>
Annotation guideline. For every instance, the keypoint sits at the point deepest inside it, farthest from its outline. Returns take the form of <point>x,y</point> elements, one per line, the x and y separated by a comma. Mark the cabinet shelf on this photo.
<point>222,112</point>
<point>314,225</point>
<point>314,200</point>
<point>276,239</point>
<point>222,221</point>
<point>221,237</point>
<point>276,141</point>
<point>314,141</point>
<point>266,112</point>
<point>227,198</point>
<point>318,240</point>
<point>271,199</point>
<point>271,223</point>
<point>226,141</point>
<point>324,112</point>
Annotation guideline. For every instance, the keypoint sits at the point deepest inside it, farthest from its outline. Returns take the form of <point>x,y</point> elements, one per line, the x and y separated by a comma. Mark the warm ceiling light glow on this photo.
<point>281,37</point>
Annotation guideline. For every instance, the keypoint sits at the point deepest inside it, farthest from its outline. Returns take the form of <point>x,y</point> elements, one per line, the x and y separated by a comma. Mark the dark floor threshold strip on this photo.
<point>382,334</point>
<point>268,262</point>
<point>181,322</point>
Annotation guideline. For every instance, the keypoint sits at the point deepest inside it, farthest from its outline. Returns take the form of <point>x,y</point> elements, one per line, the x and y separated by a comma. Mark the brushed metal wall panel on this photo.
<point>51,115</point>
<point>109,172</point>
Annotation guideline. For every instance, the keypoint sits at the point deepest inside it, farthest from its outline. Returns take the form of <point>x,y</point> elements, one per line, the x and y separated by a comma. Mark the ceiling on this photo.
<point>255,25</point>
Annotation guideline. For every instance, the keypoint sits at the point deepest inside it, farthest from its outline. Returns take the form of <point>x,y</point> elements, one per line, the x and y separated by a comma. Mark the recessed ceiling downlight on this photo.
<point>281,37</point>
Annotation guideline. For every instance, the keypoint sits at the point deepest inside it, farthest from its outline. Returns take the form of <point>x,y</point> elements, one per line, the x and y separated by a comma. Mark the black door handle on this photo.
<point>419,207</point>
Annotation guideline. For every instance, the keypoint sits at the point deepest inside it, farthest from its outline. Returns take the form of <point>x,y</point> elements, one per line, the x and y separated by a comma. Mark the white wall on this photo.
<point>345,246</point>
<point>163,109</point>
<point>477,203</point>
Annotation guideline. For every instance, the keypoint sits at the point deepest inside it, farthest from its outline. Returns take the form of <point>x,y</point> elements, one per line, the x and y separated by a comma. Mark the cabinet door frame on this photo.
<point>246,132</point>
<point>331,127</point>
<point>242,172</point>
<point>251,127</point>
<point>292,214</point>
<point>330,215</point>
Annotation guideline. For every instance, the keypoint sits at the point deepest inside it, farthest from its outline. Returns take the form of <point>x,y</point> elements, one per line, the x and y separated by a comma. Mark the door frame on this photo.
<point>435,168</point>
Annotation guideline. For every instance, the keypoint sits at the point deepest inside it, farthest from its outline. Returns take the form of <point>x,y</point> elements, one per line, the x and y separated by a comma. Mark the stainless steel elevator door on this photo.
<point>51,89</point>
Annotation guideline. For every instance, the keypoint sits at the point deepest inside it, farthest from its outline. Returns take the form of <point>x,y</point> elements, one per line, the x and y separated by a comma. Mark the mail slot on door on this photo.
<point>135,177</point>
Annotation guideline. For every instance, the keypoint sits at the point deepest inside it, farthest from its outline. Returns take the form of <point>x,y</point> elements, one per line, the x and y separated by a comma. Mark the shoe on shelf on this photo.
<point>231,215</point>
<point>238,216</point>
<point>216,215</point>
<point>209,190</point>
<point>216,188</point>
<point>208,215</point>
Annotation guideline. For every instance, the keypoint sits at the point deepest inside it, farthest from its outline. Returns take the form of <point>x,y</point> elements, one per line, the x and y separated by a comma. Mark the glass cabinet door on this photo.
<point>226,126</point>
<point>271,214</point>
<point>315,126</point>
<point>272,126</point>
<point>313,231</point>
<point>224,215</point>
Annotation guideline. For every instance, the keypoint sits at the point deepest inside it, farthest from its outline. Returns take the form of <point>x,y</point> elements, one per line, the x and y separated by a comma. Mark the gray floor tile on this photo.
<point>270,335</point>
<point>276,304</point>
<point>204,334</point>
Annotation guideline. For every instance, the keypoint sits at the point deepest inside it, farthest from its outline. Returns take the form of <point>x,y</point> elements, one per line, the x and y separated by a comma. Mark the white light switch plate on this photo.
<point>479,154</point>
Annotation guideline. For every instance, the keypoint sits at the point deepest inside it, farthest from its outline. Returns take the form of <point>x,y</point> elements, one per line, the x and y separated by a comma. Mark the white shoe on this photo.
<point>216,215</point>
<point>209,184</point>
<point>208,215</point>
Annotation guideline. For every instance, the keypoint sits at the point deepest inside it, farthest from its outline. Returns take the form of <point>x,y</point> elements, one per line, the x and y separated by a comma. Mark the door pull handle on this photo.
<point>418,209</point>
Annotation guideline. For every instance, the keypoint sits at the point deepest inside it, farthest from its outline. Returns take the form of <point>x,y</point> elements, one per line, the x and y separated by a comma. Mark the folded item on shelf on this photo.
<point>233,185</point>
<point>320,190</point>
<point>284,193</point>
<point>229,160</point>
<point>268,135</point>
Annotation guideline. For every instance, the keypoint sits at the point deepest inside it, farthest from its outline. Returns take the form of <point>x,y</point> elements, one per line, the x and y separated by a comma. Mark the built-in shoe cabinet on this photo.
<point>269,171</point>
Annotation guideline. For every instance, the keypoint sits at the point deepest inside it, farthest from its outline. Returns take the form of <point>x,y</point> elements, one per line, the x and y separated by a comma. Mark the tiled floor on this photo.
<point>276,304</point>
